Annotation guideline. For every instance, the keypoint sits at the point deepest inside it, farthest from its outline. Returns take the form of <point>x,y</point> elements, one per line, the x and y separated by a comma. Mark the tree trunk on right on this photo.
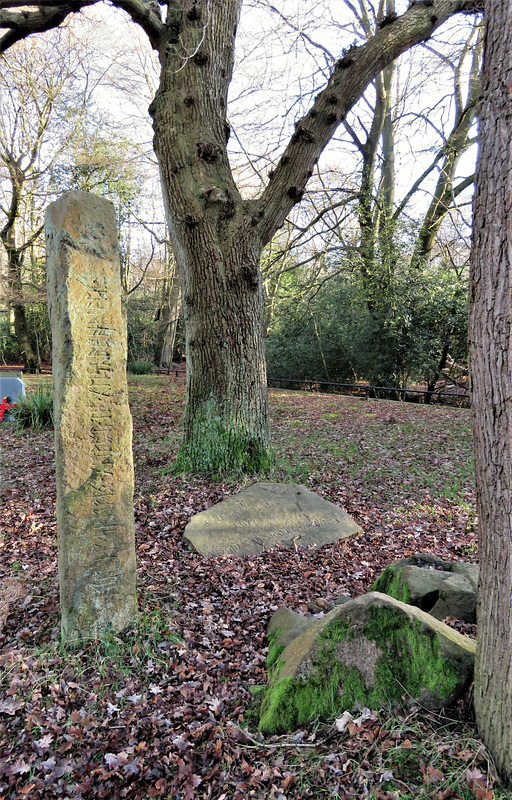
<point>491,381</point>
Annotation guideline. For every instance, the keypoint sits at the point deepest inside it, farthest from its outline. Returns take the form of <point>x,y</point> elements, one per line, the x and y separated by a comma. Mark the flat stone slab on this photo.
<point>268,515</point>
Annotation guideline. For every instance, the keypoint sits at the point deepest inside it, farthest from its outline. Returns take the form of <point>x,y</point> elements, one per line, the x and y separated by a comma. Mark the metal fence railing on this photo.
<point>172,370</point>
<point>366,390</point>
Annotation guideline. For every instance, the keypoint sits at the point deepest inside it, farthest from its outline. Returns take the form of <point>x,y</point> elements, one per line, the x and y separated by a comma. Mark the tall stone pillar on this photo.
<point>93,429</point>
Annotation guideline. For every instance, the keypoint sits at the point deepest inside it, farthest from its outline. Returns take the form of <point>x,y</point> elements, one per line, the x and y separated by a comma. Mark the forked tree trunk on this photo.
<point>490,332</point>
<point>217,236</point>
<point>216,249</point>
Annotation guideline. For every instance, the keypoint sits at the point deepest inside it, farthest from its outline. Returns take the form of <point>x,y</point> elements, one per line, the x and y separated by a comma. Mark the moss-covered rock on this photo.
<point>370,651</point>
<point>441,588</point>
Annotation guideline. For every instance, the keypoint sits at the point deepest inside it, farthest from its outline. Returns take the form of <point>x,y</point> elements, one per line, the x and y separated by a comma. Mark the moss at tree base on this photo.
<point>244,458</point>
<point>369,652</point>
<point>212,446</point>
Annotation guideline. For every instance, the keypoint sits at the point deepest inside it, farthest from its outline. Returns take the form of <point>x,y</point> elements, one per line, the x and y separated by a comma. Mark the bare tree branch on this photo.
<point>143,14</point>
<point>23,23</point>
<point>351,75</point>
<point>50,14</point>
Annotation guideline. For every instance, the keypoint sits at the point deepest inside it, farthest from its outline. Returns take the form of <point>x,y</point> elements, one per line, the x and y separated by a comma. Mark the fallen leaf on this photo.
<point>11,706</point>
<point>341,723</point>
<point>434,774</point>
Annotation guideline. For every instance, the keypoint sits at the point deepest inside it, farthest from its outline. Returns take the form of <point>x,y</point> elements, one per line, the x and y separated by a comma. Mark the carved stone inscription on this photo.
<point>268,515</point>
<point>92,419</point>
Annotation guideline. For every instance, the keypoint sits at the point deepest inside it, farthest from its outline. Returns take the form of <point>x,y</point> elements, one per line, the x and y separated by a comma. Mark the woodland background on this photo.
<point>368,278</point>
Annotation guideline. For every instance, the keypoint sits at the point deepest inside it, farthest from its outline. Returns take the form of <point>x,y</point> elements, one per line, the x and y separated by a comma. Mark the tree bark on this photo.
<point>216,245</point>
<point>491,383</point>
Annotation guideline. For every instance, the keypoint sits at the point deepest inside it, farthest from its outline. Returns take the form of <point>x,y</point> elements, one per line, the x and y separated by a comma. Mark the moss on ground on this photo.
<point>408,662</point>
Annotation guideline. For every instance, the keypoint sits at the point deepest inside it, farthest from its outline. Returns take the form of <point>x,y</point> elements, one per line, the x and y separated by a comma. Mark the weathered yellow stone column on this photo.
<point>93,429</point>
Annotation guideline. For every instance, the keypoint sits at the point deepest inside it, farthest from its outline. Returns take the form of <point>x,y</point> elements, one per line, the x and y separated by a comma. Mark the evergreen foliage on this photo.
<point>140,367</point>
<point>337,332</point>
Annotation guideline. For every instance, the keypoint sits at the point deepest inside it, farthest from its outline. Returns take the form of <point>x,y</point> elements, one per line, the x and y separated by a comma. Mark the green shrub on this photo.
<point>35,410</point>
<point>140,367</point>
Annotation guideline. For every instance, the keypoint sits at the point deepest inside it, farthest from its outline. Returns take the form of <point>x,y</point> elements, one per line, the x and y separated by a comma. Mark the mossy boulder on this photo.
<point>442,588</point>
<point>368,652</point>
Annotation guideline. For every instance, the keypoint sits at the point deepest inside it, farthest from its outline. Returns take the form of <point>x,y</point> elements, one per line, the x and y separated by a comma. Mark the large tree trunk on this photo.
<point>491,382</point>
<point>216,249</point>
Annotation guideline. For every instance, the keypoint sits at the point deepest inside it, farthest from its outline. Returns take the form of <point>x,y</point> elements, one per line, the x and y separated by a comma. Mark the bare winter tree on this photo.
<point>357,217</point>
<point>218,236</point>
<point>35,127</point>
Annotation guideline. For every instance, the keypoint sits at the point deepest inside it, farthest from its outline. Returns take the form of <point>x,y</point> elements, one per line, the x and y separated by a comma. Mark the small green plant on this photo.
<point>140,367</point>
<point>35,410</point>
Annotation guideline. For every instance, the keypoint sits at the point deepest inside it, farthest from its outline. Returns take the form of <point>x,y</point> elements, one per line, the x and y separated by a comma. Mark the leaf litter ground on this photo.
<point>167,710</point>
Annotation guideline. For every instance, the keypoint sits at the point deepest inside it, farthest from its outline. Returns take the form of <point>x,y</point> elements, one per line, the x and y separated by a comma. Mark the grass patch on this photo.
<point>104,665</point>
<point>140,367</point>
<point>389,449</point>
<point>35,411</point>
